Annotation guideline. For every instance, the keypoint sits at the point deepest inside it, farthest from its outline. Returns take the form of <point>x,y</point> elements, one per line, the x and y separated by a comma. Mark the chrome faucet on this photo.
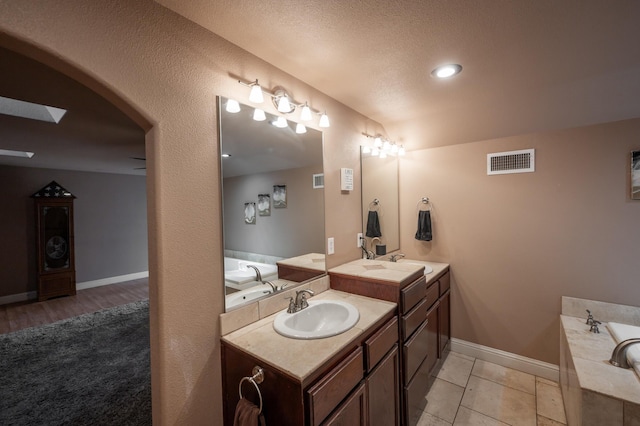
<point>394,257</point>
<point>258,274</point>
<point>363,246</point>
<point>300,302</point>
<point>619,355</point>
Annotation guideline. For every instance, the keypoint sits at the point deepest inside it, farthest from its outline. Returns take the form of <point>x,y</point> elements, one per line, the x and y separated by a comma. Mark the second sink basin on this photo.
<point>322,318</point>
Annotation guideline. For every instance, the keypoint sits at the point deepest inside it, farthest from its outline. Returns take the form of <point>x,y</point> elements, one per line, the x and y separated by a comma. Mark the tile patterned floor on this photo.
<point>472,392</point>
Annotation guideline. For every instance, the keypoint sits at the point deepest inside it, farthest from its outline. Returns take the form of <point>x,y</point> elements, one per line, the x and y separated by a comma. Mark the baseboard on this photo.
<point>23,297</point>
<point>506,359</point>
<point>15,298</point>
<point>111,280</point>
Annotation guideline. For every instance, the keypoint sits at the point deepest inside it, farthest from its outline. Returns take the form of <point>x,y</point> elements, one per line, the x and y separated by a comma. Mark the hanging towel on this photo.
<point>424,226</point>
<point>373,224</point>
<point>247,414</point>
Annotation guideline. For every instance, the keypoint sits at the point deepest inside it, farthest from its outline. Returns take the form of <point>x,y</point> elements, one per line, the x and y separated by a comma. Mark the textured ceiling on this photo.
<point>528,65</point>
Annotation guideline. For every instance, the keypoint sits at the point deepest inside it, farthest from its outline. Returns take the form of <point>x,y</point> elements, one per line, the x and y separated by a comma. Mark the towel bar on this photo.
<point>256,378</point>
<point>424,200</point>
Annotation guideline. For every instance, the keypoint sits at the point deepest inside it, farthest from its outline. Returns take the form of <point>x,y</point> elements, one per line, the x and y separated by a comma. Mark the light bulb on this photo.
<point>300,128</point>
<point>377,141</point>
<point>375,151</point>
<point>280,122</point>
<point>386,146</point>
<point>259,115</point>
<point>305,115</point>
<point>366,149</point>
<point>255,95</point>
<point>394,149</point>
<point>233,106</point>
<point>283,104</point>
<point>401,151</point>
<point>324,120</point>
<point>446,71</point>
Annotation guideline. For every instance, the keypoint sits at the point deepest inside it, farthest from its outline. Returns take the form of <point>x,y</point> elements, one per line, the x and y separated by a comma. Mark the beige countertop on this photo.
<point>315,261</point>
<point>388,271</point>
<point>591,353</point>
<point>300,358</point>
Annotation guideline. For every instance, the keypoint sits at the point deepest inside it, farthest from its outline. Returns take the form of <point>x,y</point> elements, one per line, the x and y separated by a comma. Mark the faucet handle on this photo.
<point>292,306</point>
<point>589,318</point>
<point>594,327</point>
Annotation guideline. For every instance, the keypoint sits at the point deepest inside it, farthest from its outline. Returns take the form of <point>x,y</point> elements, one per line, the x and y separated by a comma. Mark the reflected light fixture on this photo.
<point>446,71</point>
<point>366,149</point>
<point>324,120</point>
<point>381,147</point>
<point>401,151</point>
<point>300,128</point>
<point>233,106</point>
<point>280,122</point>
<point>255,95</point>
<point>305,114</point>
<point>259,115</point>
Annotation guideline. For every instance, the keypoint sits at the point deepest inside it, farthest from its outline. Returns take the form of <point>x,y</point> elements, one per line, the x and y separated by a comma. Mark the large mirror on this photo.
<point>273,204</point>
<point>380,203</point>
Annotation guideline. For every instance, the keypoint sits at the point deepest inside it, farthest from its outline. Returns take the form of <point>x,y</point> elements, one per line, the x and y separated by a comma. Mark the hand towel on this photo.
<point>373,225</point>
<point>424,226</point>
<point>247,414</point>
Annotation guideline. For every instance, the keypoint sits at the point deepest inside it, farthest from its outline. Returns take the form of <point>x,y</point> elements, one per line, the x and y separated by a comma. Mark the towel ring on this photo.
<point>375,203</point>
<point>424,201</point>
<point>258,377</point>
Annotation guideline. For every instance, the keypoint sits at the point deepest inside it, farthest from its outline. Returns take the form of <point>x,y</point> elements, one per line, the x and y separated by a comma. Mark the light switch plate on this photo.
<point>330,246</point>
<point>360,237</point>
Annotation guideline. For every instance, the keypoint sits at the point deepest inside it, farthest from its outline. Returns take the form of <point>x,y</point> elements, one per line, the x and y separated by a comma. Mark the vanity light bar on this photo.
<point>382,147</point>
<point>284,103</point>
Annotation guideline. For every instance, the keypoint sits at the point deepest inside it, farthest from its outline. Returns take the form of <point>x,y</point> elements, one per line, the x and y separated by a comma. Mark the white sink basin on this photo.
<point>427,269</point>
<point>322,318</point>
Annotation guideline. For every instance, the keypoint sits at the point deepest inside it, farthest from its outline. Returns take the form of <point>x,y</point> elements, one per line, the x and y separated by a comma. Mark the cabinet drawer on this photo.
<point>327,393</point>
<point>415,351</point>
<point>432,294</point>
<point>377,346</point>
<point>445,283</point>
<point>352,412</point>
<point>412,320</point>
<point>414,395</point>
<point>412,294</point>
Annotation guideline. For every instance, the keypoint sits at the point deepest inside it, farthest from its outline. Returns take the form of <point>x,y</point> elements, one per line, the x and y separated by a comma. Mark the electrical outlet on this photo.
<point>330,246</point>
<point>360,238</point>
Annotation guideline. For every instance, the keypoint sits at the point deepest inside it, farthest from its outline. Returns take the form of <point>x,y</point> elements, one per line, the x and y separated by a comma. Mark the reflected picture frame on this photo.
<point>264,204</point>
<point>279,196</point>
<point>250,213</point>
<point>635,175</point>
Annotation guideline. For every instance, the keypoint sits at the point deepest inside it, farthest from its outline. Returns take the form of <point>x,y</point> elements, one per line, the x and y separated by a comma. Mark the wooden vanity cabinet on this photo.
<point>359,386</point>
<point>423,330</point>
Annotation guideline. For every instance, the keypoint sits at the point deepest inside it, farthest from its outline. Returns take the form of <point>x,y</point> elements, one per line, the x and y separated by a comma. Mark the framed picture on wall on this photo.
<point>264,204</point>
<point>250,213</point>
<point>279,196</point>
<point>635,175</point>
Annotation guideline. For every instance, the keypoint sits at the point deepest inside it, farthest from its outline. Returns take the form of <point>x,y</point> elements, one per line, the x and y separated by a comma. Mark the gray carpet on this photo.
<point>89,370</point>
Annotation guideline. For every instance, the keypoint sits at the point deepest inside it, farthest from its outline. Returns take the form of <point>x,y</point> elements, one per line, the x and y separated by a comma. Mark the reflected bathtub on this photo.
<point>238,276</point>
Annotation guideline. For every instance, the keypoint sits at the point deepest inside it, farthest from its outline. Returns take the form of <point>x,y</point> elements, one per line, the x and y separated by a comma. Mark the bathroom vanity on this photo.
<point>423,317</point>
<point>350,379</point>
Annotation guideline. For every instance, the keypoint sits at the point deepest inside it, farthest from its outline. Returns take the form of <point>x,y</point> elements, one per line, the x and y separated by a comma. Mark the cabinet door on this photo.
<point>383,387</point>
<point>352,412</point>
<point>432,336</point>
<point>445,321</point>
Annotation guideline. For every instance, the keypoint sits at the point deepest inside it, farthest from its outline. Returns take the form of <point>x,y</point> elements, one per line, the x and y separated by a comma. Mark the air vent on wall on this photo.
<point>318,181</point>
<point>521,161</point>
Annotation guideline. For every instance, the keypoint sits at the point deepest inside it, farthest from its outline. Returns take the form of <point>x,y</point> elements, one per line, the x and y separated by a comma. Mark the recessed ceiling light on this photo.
<point>10,153</point>
<point>30,110</point>
<point>446,71</point>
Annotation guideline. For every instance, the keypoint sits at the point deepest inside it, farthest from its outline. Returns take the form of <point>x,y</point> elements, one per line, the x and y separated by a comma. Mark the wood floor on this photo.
<point>16,316</point>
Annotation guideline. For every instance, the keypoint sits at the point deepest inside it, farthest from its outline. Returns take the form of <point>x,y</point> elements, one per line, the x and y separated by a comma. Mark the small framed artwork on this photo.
<point>635,175</point>
<point>250,213</point>
<point>264,204</point>
<point>279,196</point>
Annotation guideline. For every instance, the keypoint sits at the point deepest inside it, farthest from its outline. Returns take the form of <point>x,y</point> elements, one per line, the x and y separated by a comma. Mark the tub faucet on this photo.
<point>619,355</point>
<point>394,257</point>
<point>258,274</point>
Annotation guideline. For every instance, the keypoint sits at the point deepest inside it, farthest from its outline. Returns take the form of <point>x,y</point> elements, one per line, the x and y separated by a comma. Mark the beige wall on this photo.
<point>517,243</point>
<point>167,72</point>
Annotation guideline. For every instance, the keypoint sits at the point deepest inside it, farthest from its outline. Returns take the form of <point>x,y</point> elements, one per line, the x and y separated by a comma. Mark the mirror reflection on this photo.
<point>380,202</point>
<point>273,204</point>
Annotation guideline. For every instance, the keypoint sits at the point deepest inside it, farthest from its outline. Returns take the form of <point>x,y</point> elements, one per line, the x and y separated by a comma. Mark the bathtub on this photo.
<point>238,298</point>
<point>239,277</point>
<point>621,332</point>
